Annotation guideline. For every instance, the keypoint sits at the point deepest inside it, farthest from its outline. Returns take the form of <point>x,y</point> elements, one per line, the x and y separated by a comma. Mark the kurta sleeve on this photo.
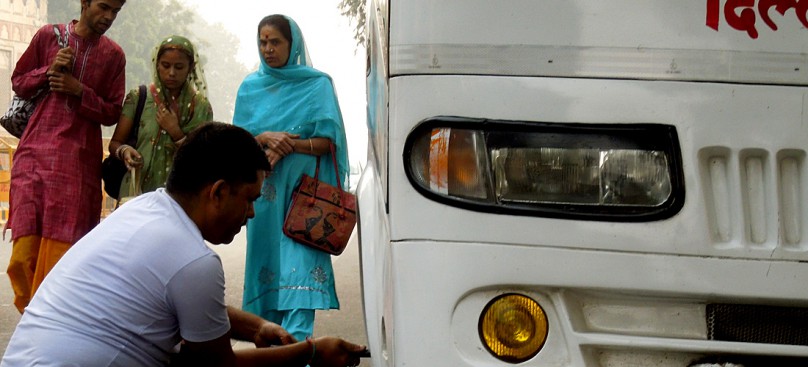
<point>30,72</point>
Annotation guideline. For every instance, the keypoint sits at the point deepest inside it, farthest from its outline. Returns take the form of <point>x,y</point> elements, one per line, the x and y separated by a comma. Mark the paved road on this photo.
<point>346,323</point>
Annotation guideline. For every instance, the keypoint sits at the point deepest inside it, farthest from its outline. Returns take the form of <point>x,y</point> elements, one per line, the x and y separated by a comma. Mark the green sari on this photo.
<point>153,143</point>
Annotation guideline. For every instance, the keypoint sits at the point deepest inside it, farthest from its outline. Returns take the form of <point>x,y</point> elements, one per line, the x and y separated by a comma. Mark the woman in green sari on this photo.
<point>176,102</point>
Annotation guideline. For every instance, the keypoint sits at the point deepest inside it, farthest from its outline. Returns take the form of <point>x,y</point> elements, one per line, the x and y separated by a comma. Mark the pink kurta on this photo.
<point>56,171</point>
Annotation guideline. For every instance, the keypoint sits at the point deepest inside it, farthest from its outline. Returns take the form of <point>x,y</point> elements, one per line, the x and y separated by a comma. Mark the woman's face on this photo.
<point>274,47</point>
<point>173,67</point>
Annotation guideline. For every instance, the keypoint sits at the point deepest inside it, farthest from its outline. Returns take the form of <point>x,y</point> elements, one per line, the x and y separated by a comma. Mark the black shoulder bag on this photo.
<point>19,112</point>
<point>112,168</point>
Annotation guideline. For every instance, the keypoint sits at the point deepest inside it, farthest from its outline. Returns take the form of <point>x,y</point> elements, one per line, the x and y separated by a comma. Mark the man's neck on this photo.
<point>81,30</point>
<point>190,205</point>
<point>195,206</point>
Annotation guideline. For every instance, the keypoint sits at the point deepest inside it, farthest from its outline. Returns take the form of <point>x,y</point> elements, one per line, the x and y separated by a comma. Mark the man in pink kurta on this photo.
<point>55,196</point>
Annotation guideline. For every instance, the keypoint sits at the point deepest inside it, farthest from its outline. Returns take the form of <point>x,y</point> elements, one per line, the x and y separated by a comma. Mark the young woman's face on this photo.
<point>173,67</point>
<point>274,47</point>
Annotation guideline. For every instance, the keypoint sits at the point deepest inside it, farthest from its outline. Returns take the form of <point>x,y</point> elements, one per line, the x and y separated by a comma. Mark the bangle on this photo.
<point>313,350</point>
<point>311,147</point>
<point>120,151</point>
<point>181,140</point>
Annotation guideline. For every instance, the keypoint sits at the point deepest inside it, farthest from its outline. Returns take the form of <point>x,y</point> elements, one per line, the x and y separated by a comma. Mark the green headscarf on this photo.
<point>195,82</point>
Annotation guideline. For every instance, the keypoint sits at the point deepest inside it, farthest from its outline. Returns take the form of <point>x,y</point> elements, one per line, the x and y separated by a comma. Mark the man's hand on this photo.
<point>63,62</point>
<point>60,76</point>
<point>65,83</point>
<point>335,352</point>
<point>271,334</point>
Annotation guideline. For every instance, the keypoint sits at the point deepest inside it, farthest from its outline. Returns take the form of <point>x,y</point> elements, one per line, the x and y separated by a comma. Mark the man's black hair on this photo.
<point>216,151</point>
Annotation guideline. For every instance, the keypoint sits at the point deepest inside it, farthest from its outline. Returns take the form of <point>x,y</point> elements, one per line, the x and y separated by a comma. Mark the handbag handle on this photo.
<point>134,182</point>
<point>336,169</point>
<point>332,147</point>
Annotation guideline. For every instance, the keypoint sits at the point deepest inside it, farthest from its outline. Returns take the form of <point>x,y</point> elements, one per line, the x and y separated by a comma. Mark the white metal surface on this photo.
<point>647,39</point>
<point>748,127</point>
<point>659,24</point>
<point>429,268</point>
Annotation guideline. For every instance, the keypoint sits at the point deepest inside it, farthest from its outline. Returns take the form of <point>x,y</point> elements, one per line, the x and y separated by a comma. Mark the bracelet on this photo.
<point>311,147</point>
<point>181,140</point>
<point>120,150</point>
<point>313,350</point>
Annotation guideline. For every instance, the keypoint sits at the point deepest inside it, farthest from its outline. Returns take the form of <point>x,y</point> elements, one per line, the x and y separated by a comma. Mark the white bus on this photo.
<point>586,183</point>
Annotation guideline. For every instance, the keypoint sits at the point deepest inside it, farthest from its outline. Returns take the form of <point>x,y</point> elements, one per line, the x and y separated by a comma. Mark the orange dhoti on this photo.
<point>32,257</point>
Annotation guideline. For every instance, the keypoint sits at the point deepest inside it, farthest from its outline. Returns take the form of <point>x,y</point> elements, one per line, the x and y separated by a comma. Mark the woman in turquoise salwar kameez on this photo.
<point>292,110</point>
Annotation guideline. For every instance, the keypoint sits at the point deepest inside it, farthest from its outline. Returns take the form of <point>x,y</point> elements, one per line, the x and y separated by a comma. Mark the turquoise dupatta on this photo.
<point>290,97</point>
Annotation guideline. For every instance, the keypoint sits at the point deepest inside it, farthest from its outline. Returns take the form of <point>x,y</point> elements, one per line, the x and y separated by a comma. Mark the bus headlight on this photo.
<point>513,328</point>
<point>619,172</point>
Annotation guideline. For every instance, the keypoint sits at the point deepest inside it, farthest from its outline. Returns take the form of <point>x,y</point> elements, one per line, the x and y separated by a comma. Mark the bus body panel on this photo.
<point>707,116</point>
<point>592,23</point>
<point>682,40</point>
<point>437,308</point>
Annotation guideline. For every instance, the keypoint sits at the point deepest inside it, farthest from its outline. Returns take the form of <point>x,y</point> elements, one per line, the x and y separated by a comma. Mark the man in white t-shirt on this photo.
<point>144,282</point>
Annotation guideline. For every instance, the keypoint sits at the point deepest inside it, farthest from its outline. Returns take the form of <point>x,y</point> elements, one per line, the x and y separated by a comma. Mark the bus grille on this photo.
<point>757,324</point>
<point>770,190</point>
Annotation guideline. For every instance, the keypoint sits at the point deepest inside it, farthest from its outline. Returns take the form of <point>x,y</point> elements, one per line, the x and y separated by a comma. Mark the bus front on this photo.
<point>586,183</point>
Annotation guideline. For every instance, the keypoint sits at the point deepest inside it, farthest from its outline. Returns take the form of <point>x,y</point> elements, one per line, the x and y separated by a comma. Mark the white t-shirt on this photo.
<point>126,293</point>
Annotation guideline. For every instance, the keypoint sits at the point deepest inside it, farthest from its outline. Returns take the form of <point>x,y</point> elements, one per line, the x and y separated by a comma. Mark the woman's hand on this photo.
<point>271,334</point>
<point>132,158</point>
<point>273,157</point>
<point>169,121</point>
<point>281,143</point>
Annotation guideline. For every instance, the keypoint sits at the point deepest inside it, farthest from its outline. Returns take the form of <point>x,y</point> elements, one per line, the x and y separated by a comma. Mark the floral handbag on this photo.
<point>321,216</point>
<point>19,112</point>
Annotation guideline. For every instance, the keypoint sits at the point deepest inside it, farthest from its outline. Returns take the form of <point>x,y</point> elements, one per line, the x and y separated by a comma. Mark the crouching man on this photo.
<point>144,281</point>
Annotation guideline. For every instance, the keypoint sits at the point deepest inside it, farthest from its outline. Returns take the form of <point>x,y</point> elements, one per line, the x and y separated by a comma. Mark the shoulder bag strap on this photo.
<point>141,101</point>
<point>61,38</point>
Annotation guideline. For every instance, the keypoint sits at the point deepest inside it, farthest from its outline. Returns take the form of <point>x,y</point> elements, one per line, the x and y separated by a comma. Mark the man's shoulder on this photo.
<point>111,46</point>
<point>48,29</point>
<point>160,217</point>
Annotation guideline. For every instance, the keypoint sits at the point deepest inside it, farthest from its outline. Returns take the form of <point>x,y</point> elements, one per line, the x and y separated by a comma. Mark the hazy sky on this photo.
<point>330,43</point>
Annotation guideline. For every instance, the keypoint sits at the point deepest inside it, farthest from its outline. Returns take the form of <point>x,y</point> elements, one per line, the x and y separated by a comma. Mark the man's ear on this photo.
<point>218,191</point>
